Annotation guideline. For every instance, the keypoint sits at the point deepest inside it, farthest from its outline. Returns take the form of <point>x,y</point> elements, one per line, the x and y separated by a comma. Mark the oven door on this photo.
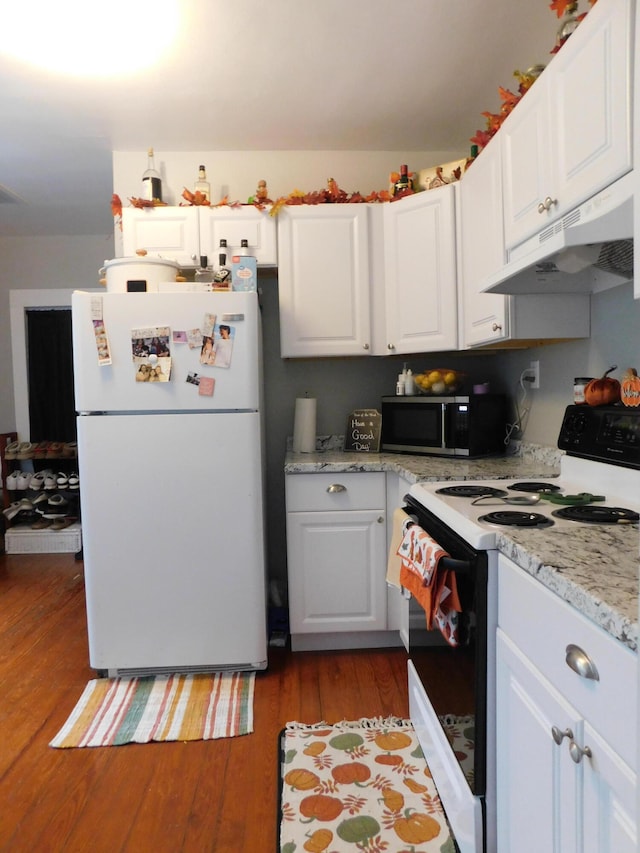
<point>451,691</point>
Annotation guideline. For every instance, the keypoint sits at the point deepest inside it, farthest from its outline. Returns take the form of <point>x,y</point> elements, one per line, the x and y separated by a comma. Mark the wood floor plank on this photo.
<point>219,796</point>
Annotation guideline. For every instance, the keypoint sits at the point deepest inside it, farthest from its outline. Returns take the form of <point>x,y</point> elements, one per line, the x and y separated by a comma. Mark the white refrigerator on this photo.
<point>170,460</point>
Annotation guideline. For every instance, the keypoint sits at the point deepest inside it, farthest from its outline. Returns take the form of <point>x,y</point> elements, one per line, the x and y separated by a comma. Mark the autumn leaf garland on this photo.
<point>525,80</point>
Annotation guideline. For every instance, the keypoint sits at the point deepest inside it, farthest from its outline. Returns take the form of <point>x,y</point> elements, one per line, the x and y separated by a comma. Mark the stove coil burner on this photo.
<point>545,488</point>
<point>594,514</point>
<point>512,518</point>
<point>471,491</point>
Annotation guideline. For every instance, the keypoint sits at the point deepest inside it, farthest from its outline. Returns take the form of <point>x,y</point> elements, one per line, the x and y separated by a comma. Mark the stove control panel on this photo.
<point>604,433</point>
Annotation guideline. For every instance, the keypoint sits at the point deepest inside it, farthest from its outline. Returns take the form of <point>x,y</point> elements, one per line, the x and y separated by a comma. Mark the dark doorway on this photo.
<point>50,375</point>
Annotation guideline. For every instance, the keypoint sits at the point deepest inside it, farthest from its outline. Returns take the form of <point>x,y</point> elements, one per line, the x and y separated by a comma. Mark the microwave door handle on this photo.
<point>443,425</point>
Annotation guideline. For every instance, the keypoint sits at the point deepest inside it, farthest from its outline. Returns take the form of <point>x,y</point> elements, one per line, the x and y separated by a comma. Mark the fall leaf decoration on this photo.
<point>525,80</point>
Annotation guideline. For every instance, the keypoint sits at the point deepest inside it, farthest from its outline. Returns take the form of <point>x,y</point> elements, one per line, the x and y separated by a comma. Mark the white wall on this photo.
<point>41,263</point>
<point>615,339</point>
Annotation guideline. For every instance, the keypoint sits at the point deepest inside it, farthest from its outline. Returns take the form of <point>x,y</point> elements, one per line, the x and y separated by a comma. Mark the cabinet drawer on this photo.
<point>542,625</point>
<point>310,492</point>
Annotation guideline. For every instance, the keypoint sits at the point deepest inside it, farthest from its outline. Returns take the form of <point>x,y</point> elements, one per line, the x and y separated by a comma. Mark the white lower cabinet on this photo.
<point>566,744</point>
<point>337,559</point>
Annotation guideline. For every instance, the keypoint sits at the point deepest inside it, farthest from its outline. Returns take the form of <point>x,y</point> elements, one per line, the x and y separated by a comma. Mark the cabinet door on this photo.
<point>484,315</point>
<point>610,823</point>
<point>420,273</point>
<point>336,571</point>
<point>168,231</point>
<point>537,782</point>
<point>591,105</point>
<point>247,223</point>
<point>323,280</point>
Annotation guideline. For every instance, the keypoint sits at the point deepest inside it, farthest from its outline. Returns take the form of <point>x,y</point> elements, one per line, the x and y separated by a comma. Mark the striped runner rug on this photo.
<point>115,711</point>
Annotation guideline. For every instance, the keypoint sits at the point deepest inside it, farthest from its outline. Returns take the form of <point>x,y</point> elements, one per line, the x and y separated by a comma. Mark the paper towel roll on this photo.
<point>304,425</point>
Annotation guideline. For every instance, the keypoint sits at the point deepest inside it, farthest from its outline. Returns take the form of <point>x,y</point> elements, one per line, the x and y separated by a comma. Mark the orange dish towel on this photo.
<point>433,586</point>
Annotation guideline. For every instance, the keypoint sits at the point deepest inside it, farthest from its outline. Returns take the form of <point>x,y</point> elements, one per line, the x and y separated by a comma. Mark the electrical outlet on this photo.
<point>534,373</point>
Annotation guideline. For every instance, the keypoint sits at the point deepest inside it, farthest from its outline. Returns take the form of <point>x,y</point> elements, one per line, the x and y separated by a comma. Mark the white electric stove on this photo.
<point>599,490</point>
<point>586,492</point>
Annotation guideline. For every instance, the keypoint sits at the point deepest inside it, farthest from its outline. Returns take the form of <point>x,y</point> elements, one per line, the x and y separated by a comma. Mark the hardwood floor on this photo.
<point>218,795</point>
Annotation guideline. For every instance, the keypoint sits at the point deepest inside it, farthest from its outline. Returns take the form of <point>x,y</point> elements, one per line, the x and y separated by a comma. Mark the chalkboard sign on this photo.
<point>363,431</point>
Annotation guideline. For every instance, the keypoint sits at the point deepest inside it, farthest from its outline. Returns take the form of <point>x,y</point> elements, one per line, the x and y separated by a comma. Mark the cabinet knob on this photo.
<point>577,752</point>
<point>559,736</point>
<point>365,346</point>
<point>496,327</point>
<point>547,204</point>
<point>391,346</point>
<point>579,661</point>
<point>336,487</point>
<point>381,519</point>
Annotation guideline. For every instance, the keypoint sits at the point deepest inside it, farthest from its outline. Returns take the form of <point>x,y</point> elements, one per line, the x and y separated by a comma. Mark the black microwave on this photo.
<point>445,426</point>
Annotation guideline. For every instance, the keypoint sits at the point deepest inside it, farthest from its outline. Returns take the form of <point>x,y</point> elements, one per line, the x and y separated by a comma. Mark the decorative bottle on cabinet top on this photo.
<point>151,180</point>
<point>202,185</point>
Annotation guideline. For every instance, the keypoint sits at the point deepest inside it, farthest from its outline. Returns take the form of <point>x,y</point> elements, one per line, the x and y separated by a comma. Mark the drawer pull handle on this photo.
<point>559,736</point>
<point>577,752</point>
<point>336,487</point>
<point>579,661</point>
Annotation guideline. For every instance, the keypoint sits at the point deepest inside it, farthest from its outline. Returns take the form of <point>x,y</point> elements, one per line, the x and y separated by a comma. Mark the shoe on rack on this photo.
<point>55,449</point>
<point>41,523</point>
<point>50,481</point>
<point>70,449</point>
<point>56,506</point>
<point>37,481</point>
<point>17,507</point>
<point>73,481</point>
<point>12,481</point>
<point>24,479</point>
<point>62,480</point>
<point>11,449</point>
<point>62,523</point>
<point>25,450</point>
<point>43,497</point>
<point>40,450</point>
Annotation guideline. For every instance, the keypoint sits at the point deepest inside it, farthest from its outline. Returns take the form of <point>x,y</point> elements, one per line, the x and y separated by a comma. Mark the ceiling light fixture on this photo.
<point>81,38</point>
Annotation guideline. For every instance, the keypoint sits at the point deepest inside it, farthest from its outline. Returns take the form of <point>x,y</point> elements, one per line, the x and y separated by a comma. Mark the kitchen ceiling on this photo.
<point>245,75</point>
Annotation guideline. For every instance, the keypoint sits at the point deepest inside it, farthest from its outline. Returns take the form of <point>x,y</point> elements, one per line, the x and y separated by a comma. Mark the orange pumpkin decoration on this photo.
<point>392,740</point>
<point>315,748</point>
<point>320,807</point>
<point>630,388</point>
<point>346,774</point>
<point>392,760</point>
<point>416,828</point>
<point>318,841</point>
<point>301,779</point>
<point>603,391</point>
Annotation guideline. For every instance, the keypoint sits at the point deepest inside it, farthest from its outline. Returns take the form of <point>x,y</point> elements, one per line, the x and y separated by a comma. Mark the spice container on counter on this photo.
<point>579,384</point>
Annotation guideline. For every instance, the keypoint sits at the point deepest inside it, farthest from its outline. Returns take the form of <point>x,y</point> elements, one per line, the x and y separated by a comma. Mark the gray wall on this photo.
<point>339,385</point>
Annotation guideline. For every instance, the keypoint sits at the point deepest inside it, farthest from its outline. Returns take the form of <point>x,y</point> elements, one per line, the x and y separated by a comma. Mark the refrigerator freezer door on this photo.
<point>113,388</point>
<point>173,541</point>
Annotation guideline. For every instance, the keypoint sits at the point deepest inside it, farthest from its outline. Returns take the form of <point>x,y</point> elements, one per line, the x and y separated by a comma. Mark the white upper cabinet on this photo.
<point>420,273</point>
<point>234,225</point>
<point>172,232</point>
<point>570,136</point>
<point>489,319</point>
<point>359,279</point>
<point>323,280</point>
<point>185,233</point>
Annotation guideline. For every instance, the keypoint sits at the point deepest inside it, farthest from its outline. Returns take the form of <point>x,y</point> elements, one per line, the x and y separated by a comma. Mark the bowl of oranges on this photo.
<point>438,382</point>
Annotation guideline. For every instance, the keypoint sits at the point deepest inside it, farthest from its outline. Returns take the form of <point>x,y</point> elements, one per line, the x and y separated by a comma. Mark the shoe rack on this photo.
<point>50,507</point>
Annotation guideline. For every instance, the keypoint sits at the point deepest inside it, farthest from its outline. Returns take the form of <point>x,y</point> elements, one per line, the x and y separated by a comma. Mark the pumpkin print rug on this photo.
<point>358,786</point>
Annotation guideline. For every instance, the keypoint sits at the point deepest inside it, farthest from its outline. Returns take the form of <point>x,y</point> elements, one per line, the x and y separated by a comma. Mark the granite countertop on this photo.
<point>594,570</point>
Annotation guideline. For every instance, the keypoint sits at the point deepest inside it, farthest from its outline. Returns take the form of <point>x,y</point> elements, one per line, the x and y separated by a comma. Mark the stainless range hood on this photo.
<point>587,250</point>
